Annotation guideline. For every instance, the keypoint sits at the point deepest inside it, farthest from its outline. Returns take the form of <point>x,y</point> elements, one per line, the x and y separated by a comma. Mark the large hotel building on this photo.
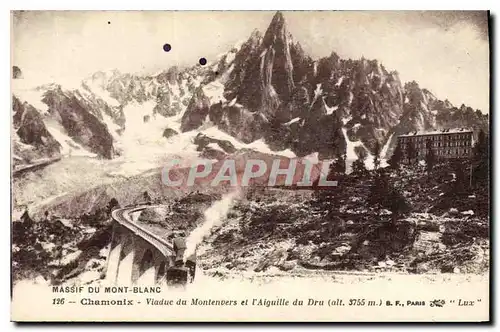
<point>446,144</point>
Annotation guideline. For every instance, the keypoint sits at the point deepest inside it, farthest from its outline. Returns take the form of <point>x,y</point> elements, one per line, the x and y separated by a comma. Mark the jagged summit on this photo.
<point>277,30</point>
<point>278,21</point>
<point>278,17</point>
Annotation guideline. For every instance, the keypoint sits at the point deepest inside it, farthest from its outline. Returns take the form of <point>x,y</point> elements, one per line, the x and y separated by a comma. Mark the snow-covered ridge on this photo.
<point>126,105</point>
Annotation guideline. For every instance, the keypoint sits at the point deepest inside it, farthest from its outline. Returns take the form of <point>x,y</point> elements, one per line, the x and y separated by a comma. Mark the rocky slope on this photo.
<point>55,250</point>
<point>32,140</point>
<point>389,220</point>
<point>354,227</point>
<point>266,88</point>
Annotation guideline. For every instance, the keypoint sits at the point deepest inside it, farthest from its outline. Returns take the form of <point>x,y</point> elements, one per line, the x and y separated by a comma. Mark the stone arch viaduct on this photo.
<point>136,255</point>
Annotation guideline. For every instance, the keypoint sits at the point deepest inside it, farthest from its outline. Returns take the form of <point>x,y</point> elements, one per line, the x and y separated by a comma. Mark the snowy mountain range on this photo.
<point>264,94</point>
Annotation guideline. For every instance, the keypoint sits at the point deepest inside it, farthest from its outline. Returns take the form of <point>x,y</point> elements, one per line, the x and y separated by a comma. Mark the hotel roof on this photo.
<point>437,132</point>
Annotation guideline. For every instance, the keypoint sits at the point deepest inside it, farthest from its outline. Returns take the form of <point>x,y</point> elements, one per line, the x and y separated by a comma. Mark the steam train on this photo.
<point>183,270</point>
<point>180,274</point>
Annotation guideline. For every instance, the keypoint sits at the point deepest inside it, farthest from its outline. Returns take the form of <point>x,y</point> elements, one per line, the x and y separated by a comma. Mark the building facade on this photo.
<point>445,144</point>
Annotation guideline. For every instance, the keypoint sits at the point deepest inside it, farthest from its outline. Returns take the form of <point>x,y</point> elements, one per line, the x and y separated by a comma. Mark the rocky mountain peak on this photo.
<point>413,93</point>
<point>277,31</point>
<point>265,88</point>
<point>171,75</point>
<point>264,73</point>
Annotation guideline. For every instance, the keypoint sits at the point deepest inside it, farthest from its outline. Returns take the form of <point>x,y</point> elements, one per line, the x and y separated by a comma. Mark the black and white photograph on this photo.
<point>250,166</point>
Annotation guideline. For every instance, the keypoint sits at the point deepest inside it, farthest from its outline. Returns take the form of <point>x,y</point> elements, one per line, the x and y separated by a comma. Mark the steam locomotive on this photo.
<point>179,275</point>
<point>183,271</point>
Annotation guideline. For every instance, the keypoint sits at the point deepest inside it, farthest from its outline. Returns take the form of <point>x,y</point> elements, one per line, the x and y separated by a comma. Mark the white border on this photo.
<point>254,5</point>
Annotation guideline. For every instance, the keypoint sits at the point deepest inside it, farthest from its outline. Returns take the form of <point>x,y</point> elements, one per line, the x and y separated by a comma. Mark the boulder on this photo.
<point>155,215</point>
<point>168,132</point>
<point>287,266</point>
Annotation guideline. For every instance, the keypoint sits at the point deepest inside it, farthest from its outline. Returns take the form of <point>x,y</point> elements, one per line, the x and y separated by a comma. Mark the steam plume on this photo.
<point>214,216</point>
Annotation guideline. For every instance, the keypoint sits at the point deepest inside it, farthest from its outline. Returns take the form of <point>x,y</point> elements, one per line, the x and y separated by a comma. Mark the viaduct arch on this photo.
<point>136,255</point>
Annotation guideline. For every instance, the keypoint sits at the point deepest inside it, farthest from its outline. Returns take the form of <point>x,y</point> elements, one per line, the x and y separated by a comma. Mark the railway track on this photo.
<point>21,169</point>
<point>123,216</point>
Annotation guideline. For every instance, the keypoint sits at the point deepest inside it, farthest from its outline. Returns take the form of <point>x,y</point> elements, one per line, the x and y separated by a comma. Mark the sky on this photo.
<point>445,52</point>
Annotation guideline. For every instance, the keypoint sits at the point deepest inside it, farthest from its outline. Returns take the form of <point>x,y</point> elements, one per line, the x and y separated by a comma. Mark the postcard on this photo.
<point>250,166</point>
